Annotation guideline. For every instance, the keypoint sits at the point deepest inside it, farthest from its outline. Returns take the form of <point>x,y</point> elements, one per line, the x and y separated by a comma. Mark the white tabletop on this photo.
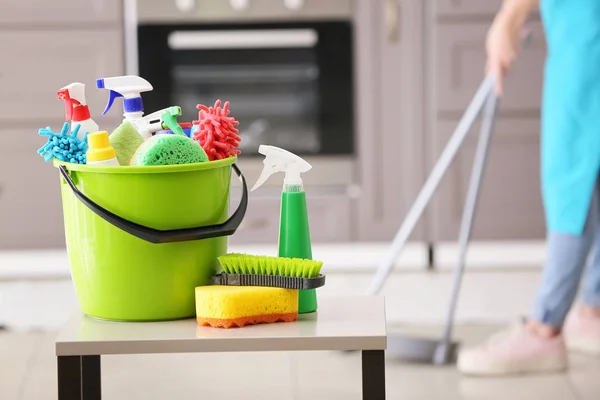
<point>341,323</point>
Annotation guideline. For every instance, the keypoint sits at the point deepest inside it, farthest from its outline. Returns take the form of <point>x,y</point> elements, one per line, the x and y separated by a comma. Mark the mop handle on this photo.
<point>466,224</point>
<point>432,183</point>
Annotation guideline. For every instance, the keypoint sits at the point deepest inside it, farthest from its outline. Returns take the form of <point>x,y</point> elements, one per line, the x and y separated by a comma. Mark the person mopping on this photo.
<point>570,153</point>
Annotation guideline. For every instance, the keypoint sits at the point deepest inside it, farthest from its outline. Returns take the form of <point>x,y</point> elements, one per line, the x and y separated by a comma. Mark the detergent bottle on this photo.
<point>294,233</point>
<point>77,111</point>
<point>100,152</point>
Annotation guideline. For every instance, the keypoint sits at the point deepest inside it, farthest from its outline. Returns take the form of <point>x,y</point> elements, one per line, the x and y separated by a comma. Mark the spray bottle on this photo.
<point>130,88</point>
<point>151,123</point>
<point>294,233</point>
<point>77,111</point>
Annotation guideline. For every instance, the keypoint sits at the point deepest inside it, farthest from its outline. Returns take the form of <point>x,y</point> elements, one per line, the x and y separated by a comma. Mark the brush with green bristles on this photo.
<point>283,272</point>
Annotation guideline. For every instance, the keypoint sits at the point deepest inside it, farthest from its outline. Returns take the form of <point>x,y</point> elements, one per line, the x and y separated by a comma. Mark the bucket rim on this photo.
<point>151,169</point>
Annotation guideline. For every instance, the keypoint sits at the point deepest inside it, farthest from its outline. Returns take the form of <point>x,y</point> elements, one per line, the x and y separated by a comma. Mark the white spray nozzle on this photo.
<point>74,96</point>
<point>280,160</point>
<point>151,123</point>
<point>129,87</point>
<point>74,92</point>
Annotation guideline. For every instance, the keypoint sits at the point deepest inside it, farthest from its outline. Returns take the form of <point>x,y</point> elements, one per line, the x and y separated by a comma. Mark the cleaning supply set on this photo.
<point>146,215</point>
<point>268,289</point>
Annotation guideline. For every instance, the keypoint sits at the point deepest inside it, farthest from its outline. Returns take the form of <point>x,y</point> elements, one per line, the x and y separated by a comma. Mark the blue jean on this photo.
<point>567,258</point>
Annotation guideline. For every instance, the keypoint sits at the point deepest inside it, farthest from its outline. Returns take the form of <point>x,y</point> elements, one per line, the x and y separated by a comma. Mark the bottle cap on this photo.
<point>99,148</point>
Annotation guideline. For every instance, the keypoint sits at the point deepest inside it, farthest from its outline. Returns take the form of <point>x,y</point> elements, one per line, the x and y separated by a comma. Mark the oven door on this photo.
<point>290,85</point>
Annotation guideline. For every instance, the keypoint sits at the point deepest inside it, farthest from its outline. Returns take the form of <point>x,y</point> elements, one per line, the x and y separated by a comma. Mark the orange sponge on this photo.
<point>237,306</point>
<point>243,321</point>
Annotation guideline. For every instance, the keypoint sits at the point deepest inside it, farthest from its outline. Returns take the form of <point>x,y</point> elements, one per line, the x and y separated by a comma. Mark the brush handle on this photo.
<point>156,236</point>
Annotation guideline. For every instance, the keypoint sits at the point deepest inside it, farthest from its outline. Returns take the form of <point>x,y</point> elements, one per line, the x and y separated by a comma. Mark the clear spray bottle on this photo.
<point>294,232</point>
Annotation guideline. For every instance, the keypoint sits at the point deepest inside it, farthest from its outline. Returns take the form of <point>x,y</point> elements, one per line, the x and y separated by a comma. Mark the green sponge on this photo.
<point>169,149</point>
<point>125,140</point>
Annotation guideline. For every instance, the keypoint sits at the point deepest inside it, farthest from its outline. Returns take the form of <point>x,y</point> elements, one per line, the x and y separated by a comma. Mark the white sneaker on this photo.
<point>514,351</point>
<point>582,334</point>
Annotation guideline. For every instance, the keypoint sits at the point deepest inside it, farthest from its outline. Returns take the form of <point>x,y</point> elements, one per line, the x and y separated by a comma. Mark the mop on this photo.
<point>444,350</point>
<point>428,350</point>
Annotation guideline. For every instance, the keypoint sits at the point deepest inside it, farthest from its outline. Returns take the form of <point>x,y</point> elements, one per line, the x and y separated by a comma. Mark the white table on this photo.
<point>341,323</point>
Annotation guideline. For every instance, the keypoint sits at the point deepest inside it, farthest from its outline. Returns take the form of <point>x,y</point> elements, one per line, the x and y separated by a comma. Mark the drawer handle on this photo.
<point>392,16</point>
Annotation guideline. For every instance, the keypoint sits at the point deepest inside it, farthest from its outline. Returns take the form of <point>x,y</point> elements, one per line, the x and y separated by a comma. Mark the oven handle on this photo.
<point>243,39</point>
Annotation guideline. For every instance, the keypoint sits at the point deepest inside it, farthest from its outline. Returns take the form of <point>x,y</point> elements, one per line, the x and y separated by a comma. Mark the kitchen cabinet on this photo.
<point>329,219</point>
<point>30,204</point>
<point>46,61</point>
<point>419,65</point>
<point>60,12</point>
<point>390,114</point>
<point>510,205</point>
<point>43,48</point>
<point>459,51</point>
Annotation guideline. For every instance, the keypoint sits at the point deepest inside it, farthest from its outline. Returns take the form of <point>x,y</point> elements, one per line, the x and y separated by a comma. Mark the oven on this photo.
<point>286,67</point>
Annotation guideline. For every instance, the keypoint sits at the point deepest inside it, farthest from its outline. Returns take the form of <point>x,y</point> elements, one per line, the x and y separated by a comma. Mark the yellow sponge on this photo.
<point>238,306</point>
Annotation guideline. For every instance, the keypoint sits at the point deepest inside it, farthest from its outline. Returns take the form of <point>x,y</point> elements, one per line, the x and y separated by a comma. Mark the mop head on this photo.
<point>64,146</point>
<point>125,140</point>
<point>168,150</point>
<point>216,131</point>
<point>238,306</point>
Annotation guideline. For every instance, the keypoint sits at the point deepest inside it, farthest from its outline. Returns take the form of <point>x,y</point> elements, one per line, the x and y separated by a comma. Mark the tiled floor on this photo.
<point>28,372</point>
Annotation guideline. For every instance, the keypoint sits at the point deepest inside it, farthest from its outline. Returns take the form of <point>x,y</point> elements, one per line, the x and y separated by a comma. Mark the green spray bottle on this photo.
<point>294,234</point>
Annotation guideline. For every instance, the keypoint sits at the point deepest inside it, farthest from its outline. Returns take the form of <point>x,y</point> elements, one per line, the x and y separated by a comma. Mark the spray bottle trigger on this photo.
<point>111,98</point>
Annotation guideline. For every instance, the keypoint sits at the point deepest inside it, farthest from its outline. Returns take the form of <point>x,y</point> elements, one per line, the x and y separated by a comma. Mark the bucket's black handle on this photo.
<point>152,235</point>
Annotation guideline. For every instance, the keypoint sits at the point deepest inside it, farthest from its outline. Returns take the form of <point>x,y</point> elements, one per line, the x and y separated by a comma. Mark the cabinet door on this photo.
<point>510,206</point>
<point>60,11</point>
<point>35,64</point>
<point>30,204</point>
<point>390,116</point>
<point>328,218</point>
<point>460,50</point>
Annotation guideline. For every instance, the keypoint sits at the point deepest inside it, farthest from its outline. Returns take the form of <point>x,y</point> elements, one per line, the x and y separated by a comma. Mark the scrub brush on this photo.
<point>282,272</point>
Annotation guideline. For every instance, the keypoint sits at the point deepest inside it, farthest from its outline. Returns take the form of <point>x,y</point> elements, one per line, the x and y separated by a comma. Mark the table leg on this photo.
<point>373,374</point>
<point>79,378</point>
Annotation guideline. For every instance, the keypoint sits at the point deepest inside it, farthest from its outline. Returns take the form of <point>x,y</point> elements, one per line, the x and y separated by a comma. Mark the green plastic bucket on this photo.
<point>140,239</point>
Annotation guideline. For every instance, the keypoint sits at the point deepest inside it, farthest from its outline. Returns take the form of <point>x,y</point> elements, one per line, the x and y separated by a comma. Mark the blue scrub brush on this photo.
<point>64,146</point>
